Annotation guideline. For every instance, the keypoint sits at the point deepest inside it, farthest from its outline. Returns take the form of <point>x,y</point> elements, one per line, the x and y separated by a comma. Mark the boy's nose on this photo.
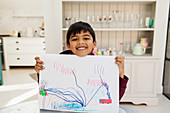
<point>81,41</point>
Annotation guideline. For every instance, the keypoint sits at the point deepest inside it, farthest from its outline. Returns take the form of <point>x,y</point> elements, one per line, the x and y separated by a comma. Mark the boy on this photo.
<point>81,41</point>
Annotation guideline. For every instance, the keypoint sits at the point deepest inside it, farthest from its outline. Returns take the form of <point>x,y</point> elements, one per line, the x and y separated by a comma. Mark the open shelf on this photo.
<point>109,1</point>
<point>119,29</point>
<point>28,16</point>
<point>146,55</point>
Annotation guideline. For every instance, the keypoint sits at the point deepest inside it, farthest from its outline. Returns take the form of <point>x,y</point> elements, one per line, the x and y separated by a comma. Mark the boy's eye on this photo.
<point>74,39</point>
<point>86,38</point>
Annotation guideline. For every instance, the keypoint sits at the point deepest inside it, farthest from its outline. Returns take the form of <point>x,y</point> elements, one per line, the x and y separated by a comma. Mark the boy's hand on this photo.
<point>39,65</point>
<point>120,62</point>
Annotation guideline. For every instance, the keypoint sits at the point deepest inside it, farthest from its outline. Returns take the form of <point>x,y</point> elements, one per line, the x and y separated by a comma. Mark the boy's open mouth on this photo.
<point>81,48</point>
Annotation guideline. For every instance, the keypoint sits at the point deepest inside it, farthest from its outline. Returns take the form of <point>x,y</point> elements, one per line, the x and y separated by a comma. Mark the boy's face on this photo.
<point>81,44</point>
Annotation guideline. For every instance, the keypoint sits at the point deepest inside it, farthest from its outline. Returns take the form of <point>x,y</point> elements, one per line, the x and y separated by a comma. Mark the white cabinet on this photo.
<point>143,71</point>
<point>22,51</point>
<point>141,87</point>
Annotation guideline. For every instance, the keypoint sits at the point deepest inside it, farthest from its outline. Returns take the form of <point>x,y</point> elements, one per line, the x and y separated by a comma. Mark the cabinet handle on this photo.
<point>44,42</point>
<point>44,49</point>
<point>17,42</point>
<point>17,48</point>
<point>18,58</point>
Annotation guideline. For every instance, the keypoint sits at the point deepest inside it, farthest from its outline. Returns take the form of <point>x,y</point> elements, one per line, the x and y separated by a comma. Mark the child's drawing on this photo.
<point>72,83</point>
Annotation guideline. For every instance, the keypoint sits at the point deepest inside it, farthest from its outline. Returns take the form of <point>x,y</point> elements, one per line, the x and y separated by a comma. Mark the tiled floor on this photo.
<point>20,89</point>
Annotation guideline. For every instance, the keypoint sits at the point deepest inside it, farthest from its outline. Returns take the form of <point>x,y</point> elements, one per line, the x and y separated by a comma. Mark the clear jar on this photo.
<point>67,22</point>
<point>121,52</point>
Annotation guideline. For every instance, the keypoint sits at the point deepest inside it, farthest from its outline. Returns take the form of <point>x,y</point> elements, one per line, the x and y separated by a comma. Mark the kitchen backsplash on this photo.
<point>20,19</point>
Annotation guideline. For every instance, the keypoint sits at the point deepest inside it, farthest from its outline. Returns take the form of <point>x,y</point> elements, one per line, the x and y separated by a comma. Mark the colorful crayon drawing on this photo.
<point>85,88</point>
<point>69,96</point>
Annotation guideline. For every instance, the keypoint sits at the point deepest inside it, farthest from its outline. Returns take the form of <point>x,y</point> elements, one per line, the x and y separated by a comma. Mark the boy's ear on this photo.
<point>68,46</point>
<point>95,43</point>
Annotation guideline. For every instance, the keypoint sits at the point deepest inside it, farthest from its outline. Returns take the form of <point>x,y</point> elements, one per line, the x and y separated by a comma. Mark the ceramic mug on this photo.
<point>144,42</point>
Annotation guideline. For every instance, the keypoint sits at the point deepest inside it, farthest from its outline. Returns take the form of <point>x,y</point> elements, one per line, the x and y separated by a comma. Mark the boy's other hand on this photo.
<point>39,65</point>
<point>119,60</point>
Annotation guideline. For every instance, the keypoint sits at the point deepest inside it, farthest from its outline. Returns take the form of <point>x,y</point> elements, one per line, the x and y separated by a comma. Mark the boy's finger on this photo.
<point>117,62</point>
<point>120,60</point>
<point>39,61</point>
<point>37,58</point>
<point>39,67</point>
<point>120,57</point>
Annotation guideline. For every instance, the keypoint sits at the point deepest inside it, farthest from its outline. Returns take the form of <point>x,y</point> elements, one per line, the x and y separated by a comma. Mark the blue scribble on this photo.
<point>107,87</point>
<point>73,98</point>
<point>71,106</point>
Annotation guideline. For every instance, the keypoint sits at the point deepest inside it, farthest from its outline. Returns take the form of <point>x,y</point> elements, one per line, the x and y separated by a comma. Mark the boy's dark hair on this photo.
<point>78,27</point>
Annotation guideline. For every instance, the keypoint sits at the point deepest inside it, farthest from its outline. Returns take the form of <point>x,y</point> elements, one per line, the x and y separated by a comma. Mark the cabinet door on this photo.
<point>128,73</point>
<point>144,78</point>
<point>24,41</point>
<point>26,49</point>
<point>21,60</point>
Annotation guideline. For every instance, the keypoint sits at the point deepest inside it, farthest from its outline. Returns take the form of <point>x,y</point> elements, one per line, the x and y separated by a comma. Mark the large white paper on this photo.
<point>72,83</point>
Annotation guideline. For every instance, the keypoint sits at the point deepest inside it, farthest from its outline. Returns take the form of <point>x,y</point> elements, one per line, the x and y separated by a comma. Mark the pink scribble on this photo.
<point>43,102</point>
<point>65,69</point>
<point>94,82</point>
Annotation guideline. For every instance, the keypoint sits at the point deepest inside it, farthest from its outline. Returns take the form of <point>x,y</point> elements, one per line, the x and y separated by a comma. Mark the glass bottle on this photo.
<point>110,51</point>
<point>127,47</point>
<point>121,52</point>
<point>147,22</point>
<point>114,52</point>
<point>111,21</point>
<point>88,20</point>
<point>67,22</point>
<point>97,23</point>
<point>151,23</point>
<point>137,19</point>
<point>141,22</point>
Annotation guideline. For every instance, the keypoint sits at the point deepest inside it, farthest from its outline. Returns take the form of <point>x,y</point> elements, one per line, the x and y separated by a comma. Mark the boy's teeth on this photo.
<point>81,48</point>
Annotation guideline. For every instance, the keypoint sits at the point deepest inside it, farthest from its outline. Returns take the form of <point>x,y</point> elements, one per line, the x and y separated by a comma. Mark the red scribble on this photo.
<point>105,101</point>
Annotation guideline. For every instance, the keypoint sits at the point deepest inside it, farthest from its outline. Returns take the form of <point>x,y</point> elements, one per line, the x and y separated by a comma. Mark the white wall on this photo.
<point>21,4</point>
<point>53,29</point>
<point>20,14</point>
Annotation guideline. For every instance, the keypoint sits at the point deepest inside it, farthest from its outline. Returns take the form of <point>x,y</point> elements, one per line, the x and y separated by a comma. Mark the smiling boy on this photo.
<point>81,41</point>
<point>81,44</point>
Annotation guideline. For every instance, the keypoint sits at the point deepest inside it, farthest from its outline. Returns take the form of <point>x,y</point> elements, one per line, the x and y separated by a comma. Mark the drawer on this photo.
<point>25,49</point>
<point>24,60</point>
<point>24,41</point>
